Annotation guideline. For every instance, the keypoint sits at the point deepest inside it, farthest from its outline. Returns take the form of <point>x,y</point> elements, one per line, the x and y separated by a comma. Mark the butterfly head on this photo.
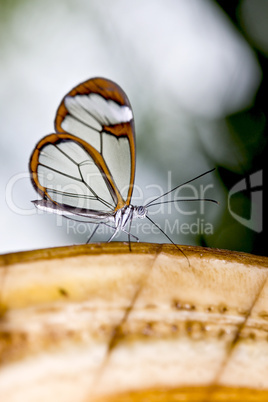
<point>140,212</point>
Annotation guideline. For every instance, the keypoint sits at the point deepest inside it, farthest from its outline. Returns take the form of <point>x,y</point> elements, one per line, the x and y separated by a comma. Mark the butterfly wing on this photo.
<point>89,163</point>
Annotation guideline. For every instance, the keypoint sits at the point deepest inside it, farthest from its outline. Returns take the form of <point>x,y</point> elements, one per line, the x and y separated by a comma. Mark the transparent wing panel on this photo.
<point>116,152</point>
<point>73,126</point>
<point>71,177</point>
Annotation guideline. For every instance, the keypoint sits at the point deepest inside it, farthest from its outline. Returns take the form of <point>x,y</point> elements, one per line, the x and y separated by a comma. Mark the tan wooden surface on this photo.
<point>98,323</point>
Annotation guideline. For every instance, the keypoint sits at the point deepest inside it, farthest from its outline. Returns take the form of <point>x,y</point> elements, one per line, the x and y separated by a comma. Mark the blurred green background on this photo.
<point>194,71</point>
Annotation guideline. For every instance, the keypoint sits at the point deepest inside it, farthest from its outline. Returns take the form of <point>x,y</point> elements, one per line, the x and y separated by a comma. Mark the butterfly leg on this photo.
<point>123,230</point>
<point>131,235</point>
<point>92,234</point>
<point>114,234</point>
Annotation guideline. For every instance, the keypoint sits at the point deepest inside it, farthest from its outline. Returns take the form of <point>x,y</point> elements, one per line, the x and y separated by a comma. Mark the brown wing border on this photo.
<point>93,153</point>
<point>109,90</point>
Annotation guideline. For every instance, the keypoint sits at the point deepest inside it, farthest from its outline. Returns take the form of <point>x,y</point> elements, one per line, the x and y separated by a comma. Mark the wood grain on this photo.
<point>99,323</point>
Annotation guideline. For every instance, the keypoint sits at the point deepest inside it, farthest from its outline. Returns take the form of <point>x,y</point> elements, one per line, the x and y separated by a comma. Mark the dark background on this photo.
<point>250,126</point>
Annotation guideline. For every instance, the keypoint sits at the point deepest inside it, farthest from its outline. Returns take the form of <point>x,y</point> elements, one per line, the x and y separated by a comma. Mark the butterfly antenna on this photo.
<point>171,241</point>
<point>191,199</point>
<point>180,185</point>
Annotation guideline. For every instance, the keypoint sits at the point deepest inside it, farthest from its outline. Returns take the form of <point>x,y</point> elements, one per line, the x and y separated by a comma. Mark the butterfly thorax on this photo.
<point>126,214</point>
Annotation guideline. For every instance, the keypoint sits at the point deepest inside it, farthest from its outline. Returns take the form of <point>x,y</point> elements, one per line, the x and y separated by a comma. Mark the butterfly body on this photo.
<point>117,220</point>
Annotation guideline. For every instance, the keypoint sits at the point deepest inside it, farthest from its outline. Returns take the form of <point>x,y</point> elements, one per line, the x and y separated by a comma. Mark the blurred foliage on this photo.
<point>249,131</point>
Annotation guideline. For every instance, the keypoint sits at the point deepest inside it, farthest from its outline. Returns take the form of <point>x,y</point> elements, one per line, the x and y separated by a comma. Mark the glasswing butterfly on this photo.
<point>86,169</point>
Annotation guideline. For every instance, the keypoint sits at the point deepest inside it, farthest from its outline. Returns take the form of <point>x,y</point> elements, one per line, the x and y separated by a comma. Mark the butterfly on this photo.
<point>86,169</point>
